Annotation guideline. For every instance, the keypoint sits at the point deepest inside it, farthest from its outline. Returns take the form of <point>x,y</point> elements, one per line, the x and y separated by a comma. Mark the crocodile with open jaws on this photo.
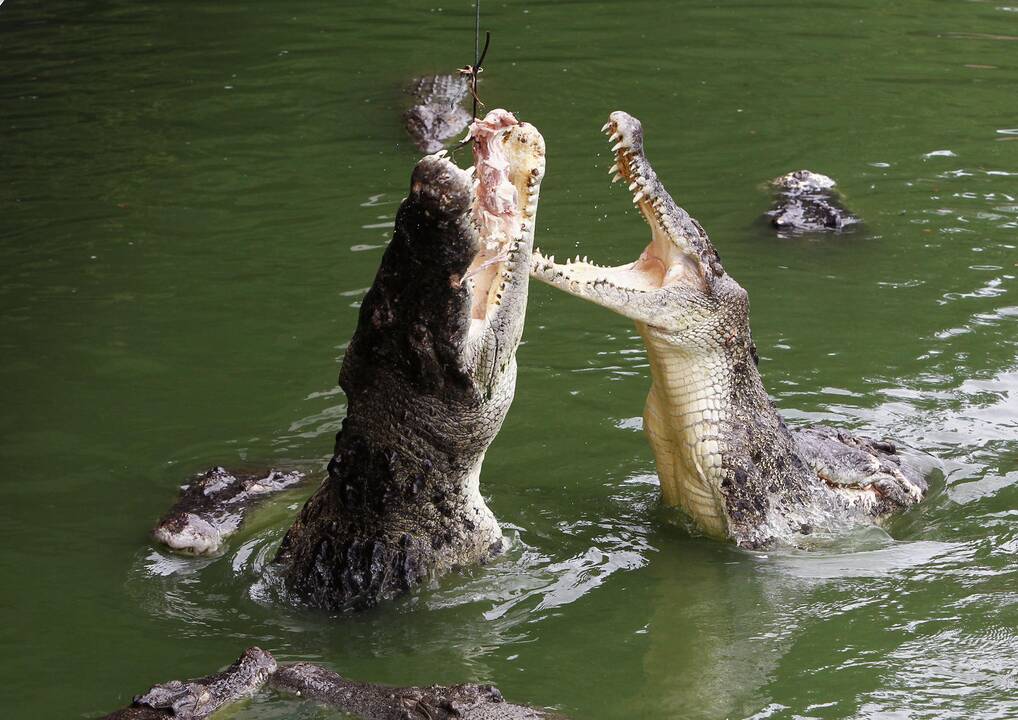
<point>724,454</point>
<point>429,376</point>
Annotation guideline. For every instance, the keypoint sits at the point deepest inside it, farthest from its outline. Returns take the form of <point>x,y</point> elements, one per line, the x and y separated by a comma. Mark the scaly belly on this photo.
<point>683,467</point>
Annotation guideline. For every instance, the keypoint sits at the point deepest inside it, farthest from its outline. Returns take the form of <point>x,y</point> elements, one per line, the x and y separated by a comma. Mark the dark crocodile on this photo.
<point>429,376</point>
<point>368,701</point>
<point>214,504</point>
<point>808,202</point>
<point>199,698</point>
<point>723,452</point>
<point>437,114</point>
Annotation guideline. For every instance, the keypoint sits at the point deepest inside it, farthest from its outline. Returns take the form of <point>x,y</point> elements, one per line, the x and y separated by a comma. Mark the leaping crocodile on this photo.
<point>724,454</point>
<point>429,376</point>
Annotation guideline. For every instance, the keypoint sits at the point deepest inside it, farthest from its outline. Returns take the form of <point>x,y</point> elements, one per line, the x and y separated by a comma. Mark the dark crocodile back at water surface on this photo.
<point>436,114</point>
<point>197,196</point>
<point>808,202</point>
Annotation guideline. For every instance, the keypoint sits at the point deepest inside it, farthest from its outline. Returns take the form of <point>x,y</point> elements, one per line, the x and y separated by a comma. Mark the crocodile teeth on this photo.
<point>616,178</point>
<point>470,171</point>
<point>633,185</point>
<point>442,153</point>
<point>604,128</point>
<point>613,169</point>
<point>615,136</point>
<point>615,148</point>
<point>638,197</point>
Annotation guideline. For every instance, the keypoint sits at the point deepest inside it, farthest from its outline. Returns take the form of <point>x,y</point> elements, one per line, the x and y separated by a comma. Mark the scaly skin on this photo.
<point>807,202</point>
<point>436,114</point>
<point>213,506</point>
<point>198,699</point>
<point>429,376</point>
<point>724,454</point>
<point>368,701</point>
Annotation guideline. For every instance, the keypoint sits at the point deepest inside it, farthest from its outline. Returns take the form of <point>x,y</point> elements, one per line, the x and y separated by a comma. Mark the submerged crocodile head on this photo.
<point>429,376</point>
<point>436,115</point>
<point>677,286</point>
<point>808,202</point>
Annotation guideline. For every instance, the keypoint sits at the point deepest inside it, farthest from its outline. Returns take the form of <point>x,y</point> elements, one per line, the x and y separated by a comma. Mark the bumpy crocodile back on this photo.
<point>439,89</point>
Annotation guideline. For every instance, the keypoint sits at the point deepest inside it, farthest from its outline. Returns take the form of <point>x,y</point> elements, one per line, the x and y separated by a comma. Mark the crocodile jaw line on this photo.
<point>505,180</point>
<point>669,259</point>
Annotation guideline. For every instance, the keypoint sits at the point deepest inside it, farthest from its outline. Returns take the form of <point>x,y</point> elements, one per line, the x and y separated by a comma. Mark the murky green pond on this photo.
<point>194,197</point>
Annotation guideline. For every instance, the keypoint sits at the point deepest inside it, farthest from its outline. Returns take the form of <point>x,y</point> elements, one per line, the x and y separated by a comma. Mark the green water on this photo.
<point>194,197</point>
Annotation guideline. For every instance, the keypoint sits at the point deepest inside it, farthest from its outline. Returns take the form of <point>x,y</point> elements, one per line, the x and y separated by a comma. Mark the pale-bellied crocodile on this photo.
<point>807,202</point>
<point>429,376</point>
<point>724,454</point>
<point>437,114</point>
<point>199,698</point>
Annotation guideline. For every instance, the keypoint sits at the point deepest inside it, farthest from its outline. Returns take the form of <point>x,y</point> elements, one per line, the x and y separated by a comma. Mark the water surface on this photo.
<point>195,197</point>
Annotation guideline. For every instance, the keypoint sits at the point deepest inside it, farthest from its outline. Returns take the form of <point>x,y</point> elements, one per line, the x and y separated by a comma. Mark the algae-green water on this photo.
<point>195,196</point>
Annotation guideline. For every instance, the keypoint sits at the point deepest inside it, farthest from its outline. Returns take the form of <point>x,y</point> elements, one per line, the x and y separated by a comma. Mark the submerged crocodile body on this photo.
<point>198,699</point>
<point>437,114</point>
<point>214,504</point>
<point>429,376</point>
<point>724,454</point>
<point>807,202</point>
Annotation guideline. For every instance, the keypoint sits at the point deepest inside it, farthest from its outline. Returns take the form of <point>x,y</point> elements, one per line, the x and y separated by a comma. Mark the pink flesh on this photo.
<point>496,204</point>
<point>496,196</point>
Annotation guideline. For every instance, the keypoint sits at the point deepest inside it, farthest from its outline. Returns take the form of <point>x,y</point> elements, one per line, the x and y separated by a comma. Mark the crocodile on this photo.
<point>807,202</point>
<point>214,504</point>
<point>429,376</point>
<point>437,114</point>
<point>369,701</point>
<point>724,454</point>
<point>199,698</point>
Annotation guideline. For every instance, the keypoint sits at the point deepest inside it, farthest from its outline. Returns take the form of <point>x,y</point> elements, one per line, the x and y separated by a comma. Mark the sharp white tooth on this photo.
<point>604,128</point>
<point>616,178</point>
<point>470,170</point>
<point>633,185</point>
<point>613,169</point>
<point>616,147</point>
<point>441,153</point>
<point>637,197</point>
<point>585,259</point>
<point>551,259</point>
<point>615,136</point>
